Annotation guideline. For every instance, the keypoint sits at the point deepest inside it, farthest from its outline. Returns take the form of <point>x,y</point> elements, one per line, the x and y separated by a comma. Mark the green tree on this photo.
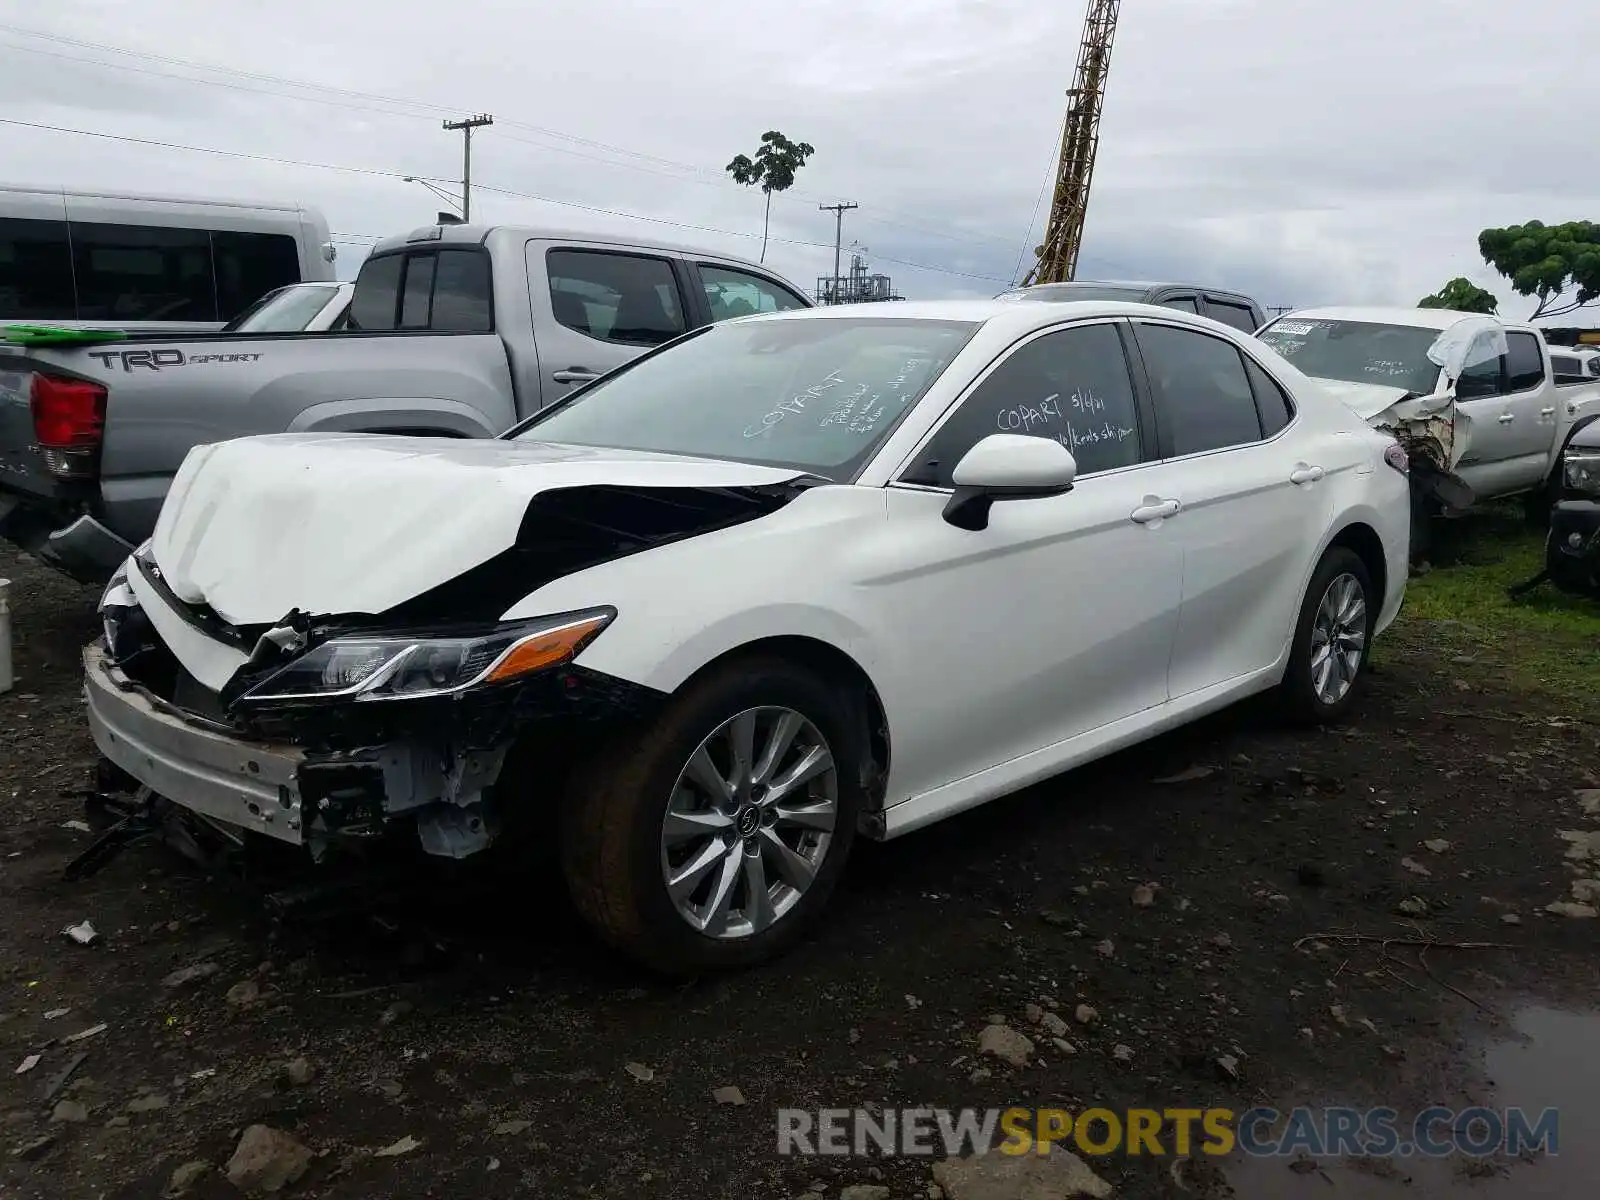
<point>1559,264</point>
<point>1462,295</point>
<point>773,168</point>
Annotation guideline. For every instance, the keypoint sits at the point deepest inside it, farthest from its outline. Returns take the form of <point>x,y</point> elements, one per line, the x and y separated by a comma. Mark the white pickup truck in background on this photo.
<point>1495,420</point>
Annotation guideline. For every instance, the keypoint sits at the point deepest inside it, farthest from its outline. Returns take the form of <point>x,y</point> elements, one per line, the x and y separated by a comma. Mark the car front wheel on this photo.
<point>1328,658</point>
<point>715,840</point>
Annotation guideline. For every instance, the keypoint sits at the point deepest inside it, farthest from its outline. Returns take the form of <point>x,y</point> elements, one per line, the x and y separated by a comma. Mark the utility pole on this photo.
<point>838,211</point>
<point>466,127</point>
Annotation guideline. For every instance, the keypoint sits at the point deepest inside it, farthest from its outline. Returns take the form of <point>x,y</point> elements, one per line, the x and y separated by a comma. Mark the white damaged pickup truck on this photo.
<point>1473,399</point>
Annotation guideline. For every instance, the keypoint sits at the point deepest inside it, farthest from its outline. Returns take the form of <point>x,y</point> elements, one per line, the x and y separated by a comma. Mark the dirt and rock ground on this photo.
<point>480,1044</point>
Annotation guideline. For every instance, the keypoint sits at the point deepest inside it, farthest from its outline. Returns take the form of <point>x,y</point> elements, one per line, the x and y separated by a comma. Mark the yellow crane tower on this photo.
<point>1080,139</point>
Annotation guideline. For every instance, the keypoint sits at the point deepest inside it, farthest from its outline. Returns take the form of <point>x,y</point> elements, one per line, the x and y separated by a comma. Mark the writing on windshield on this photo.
<point>1357,351</point>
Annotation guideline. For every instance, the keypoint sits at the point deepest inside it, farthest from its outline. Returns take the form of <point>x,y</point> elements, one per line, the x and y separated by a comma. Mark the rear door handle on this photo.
<point>1547,412</point>
<point>1507,418</point>
<point>1154,509</point>
<point>1306,474</point>
<point>575,375</point>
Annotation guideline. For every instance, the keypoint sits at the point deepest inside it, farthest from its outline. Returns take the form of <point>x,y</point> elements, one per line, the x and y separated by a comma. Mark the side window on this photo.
<point>624,298</point>
<point>1568,370</point>
<point>142,273</point>
<point>1272,402</point>
<point>1482,380</point>
<point>1200,383</point>
<point>1071,385</point>
<point>1237,315</point>
<point>35,271</point>
<point>1524,363</point>
<point>733,293</point>
<point>376,301</point>
<point>249,265</point>
<point>1182,304</point>
<point>463,301</point>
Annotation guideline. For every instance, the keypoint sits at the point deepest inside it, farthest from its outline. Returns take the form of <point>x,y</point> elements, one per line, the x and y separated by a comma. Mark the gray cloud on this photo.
<point>1304,153</point>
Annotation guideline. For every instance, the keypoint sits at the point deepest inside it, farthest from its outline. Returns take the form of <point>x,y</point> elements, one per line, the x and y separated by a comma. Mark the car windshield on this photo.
<point>286,311</point>
<point>1076,291</point>
<point>1357,351</point>
<point>818,393</point>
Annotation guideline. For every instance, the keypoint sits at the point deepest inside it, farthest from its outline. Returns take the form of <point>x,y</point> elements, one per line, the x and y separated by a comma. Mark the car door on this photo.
<point>596,307</point>
<point>1500,454</point>
<point>731,292</point>
<point>1058,617</point>
<point>1532,403</point>
<point>1250,487</point>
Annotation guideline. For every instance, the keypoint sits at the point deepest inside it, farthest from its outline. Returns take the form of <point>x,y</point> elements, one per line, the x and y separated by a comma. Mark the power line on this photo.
<point>350,98</point>
<point>482,187</point>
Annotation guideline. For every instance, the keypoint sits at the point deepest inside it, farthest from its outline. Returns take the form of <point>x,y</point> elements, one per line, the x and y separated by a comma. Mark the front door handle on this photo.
<point>575,375</point>
<point>1507,418</point>
<point>1304,473</point>
<point>1154,509</point>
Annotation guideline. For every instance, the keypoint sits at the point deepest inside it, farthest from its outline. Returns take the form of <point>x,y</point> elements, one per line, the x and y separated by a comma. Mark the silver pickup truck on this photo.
<point>452,330</point>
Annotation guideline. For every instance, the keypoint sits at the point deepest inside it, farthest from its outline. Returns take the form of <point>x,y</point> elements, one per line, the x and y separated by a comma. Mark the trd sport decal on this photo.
<point>154,360</point>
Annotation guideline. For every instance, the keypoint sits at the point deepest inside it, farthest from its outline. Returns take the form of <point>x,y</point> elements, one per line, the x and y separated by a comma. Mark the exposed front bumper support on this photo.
<point>251,786</point>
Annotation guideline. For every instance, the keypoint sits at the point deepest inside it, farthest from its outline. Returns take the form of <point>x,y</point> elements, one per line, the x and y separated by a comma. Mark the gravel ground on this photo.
<point>518,1058</point>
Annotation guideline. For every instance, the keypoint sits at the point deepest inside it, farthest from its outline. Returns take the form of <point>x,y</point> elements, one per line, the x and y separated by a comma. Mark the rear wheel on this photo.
<point>716,839</point>
<point>1328,658</point>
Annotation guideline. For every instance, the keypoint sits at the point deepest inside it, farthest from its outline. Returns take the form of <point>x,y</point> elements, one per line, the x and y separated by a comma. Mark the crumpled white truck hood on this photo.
<point>353,523</point>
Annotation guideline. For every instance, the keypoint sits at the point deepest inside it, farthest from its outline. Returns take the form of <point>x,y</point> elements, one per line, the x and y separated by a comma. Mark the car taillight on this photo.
<point>69,419</point>
<point>1395,455</point>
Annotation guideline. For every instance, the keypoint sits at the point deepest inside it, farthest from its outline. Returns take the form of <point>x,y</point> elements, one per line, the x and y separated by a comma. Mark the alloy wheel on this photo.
<point>750,822</point>
<point>1338,638</point>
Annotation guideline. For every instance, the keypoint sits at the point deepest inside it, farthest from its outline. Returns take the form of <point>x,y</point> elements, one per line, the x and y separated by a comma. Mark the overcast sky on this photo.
<point>1301,151</point>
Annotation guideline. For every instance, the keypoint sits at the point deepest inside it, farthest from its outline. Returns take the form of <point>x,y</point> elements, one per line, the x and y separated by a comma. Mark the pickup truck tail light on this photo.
<point>69,420</point>
<point>1395,455</point>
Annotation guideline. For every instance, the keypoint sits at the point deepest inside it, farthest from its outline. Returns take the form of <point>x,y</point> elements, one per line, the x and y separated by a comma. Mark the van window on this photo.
<point>35,271</point>
<point>100,271</point>
<point>1237,315</point>
<point>249,265</point>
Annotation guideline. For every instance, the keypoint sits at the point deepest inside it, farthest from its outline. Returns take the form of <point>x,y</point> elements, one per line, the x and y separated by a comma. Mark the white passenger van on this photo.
<point>149,263</point>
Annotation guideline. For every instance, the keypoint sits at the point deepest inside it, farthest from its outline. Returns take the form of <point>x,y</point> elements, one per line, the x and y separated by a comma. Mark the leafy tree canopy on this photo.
<point>1461,295</point>
<point>774,165</point>
<point>1559,264</point>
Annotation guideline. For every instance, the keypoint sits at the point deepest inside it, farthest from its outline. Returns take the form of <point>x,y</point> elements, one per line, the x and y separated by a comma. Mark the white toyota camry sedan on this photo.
<point>783,581</point>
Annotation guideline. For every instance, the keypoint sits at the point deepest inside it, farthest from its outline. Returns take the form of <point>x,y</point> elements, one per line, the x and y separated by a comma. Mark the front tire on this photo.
<point>1328,658</point>
<point>715,839</point>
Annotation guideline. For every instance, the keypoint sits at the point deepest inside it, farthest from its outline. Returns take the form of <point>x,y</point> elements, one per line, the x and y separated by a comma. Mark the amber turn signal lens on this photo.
<point>545,649</point>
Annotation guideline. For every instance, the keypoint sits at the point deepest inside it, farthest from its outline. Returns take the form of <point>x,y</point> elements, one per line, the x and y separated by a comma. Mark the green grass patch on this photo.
<point>1547,643</point>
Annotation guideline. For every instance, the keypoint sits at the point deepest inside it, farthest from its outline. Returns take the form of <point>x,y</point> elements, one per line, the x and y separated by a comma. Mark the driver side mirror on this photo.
<point>1007,466</point>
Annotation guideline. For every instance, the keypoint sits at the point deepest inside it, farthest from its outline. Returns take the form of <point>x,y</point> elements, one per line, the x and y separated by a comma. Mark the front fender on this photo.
<point>357,416</point>
<point>662,650</point>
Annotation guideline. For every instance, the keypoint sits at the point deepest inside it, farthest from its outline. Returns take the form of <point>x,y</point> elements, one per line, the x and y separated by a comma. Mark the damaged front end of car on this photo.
<point>436,718</point>
<point>336,731</point>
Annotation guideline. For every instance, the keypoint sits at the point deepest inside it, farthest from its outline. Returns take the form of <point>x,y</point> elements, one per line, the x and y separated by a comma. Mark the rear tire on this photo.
<point>673,804</point>
<point>1328,657</point>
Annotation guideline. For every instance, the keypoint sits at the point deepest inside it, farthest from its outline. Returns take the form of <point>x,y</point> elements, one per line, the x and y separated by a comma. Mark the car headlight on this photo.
<point>1581,468</point>
<point>402,668</point>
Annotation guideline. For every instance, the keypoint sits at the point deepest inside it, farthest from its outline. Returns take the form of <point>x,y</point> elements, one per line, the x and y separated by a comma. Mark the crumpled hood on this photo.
<point>354,523</point>
<point>1367,399</point>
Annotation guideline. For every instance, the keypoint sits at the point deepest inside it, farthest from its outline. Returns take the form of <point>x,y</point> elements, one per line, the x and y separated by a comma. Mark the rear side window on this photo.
<point>1182,304</point>
<point>35,271</point>
<point>1568,370</point>
<point>1200,383</point>
<point>249,265</point>
<point>630,299</point>
<point>142,273</point>
<point>1524,363</point>
<point>1237,315</point>
<point>1272,402</point>
<point>440,291</point>
<point>732,293</point>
